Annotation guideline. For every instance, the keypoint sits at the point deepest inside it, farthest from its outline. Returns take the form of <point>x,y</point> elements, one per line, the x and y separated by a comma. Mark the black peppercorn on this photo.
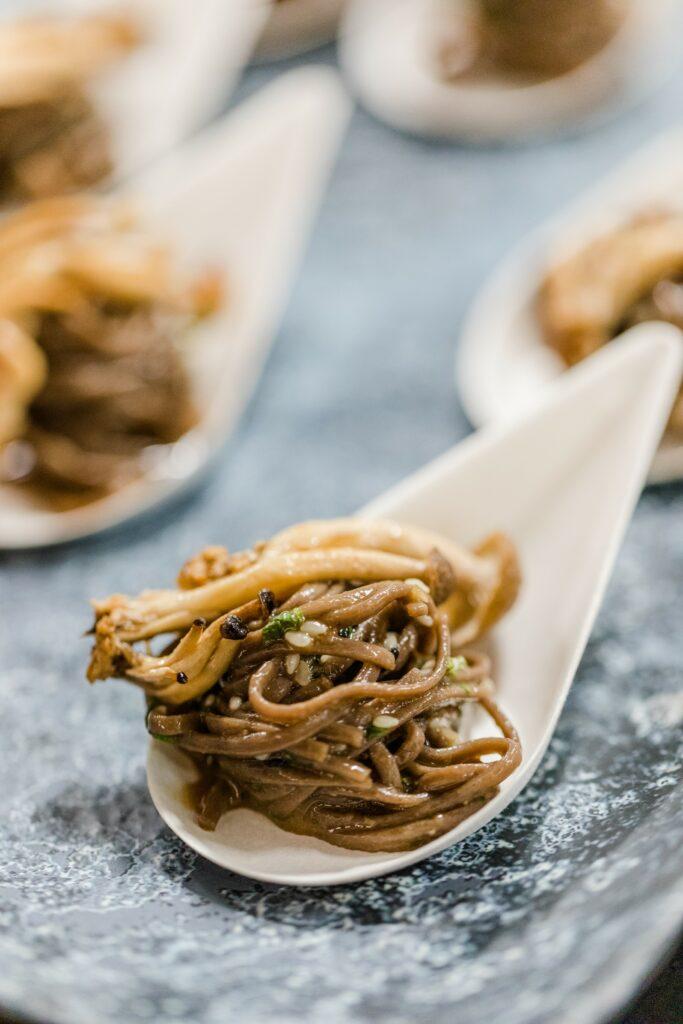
<point>233,628</point>
<point>181,677</point>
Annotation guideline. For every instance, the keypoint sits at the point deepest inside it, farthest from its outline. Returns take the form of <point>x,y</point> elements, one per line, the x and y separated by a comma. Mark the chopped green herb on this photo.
<point>467,689</point>
<point>163,739</point>
<point>346,631</point>
<point>381,724</point>
<point>279,624</point>
<point>373,733</point>
<point>455,665</point>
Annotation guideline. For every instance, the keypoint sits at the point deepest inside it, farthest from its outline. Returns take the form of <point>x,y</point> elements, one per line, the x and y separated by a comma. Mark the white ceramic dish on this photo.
<point>178,79</point>
<point>294,26</point>
<point>563,479</point>
<point>387,50</point>
<point>239,197</point>
<point>502,361</point>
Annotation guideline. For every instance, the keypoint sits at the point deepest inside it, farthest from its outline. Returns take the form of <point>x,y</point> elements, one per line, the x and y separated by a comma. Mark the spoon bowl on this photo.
<point>562,481</point>
<point>388,50</point>
<point>239,198</point>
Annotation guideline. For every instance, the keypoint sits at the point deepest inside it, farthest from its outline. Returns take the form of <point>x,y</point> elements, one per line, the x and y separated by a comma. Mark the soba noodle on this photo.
<point>321,678</point>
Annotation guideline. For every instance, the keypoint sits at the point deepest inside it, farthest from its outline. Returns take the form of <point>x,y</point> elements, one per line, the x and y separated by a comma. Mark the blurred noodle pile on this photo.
<point>530,38</point>
<point>627,276</point>
<point>52,139</point>
<point>91,310</point>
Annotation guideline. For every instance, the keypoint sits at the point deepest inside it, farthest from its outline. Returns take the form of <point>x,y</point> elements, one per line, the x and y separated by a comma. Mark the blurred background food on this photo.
<point>52,137</point>
<point>92,310</point>
<point>625,277</point>
<point>528,38</point>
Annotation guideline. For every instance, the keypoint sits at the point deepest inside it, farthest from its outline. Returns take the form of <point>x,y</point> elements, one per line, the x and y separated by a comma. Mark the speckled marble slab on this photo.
<point>552,914</point>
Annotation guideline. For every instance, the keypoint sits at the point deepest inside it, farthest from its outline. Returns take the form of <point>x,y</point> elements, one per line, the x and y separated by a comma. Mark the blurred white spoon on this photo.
<point>388,51</point>
<point>294,26</point>
<point>562,482</point>
<point>502,360</point>
<point>241,198</point>
<point>181,75</point>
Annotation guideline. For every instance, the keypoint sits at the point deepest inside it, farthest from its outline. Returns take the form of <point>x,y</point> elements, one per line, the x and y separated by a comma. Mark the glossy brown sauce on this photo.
<point>210,796</point>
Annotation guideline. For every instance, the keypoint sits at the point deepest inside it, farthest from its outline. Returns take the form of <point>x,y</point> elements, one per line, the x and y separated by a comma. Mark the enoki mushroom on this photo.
<point>322,679</point>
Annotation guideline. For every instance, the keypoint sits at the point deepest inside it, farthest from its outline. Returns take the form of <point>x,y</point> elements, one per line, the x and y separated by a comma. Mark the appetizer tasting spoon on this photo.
<point>239,198</point>
<point>502,361</point>
<point>389,51</point>
<point>562,481</point>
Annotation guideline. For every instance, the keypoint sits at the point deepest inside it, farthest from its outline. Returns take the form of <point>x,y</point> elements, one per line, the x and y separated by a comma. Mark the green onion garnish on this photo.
<point>281,623</point>
<point>455,665</point>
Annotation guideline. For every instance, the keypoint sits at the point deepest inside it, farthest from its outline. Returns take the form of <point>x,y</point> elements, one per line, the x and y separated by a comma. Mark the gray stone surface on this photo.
<point>556,911</point>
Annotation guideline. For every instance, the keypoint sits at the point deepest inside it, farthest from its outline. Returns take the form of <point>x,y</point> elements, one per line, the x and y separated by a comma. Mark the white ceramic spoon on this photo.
<point>502,361</point>
<point>562,482</point>
<point>240,197</point>
<point>294,26</point>
<point>181,76</point>
<point>387,49</point>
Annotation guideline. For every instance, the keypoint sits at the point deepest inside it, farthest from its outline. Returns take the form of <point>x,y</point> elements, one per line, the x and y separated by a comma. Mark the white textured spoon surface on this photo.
<point>240,197</point>
<point>562,482</point>
<point>502,361</point>
<point>388,52</point>
<point>181,75</point>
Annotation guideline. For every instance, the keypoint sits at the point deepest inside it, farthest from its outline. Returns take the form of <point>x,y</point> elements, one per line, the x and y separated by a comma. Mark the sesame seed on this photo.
<point>426,620</point>
<point>234,703</point>
<point>391,641</point>
<point>385,722</point>
<point>291,663</point>
<point>297,639</point>
<point>314,628</point>
<point>303,673</point>
<point>418,583</point>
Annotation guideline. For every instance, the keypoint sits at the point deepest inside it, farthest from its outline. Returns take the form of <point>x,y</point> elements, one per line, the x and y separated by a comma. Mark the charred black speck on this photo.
<point>233,628</point>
